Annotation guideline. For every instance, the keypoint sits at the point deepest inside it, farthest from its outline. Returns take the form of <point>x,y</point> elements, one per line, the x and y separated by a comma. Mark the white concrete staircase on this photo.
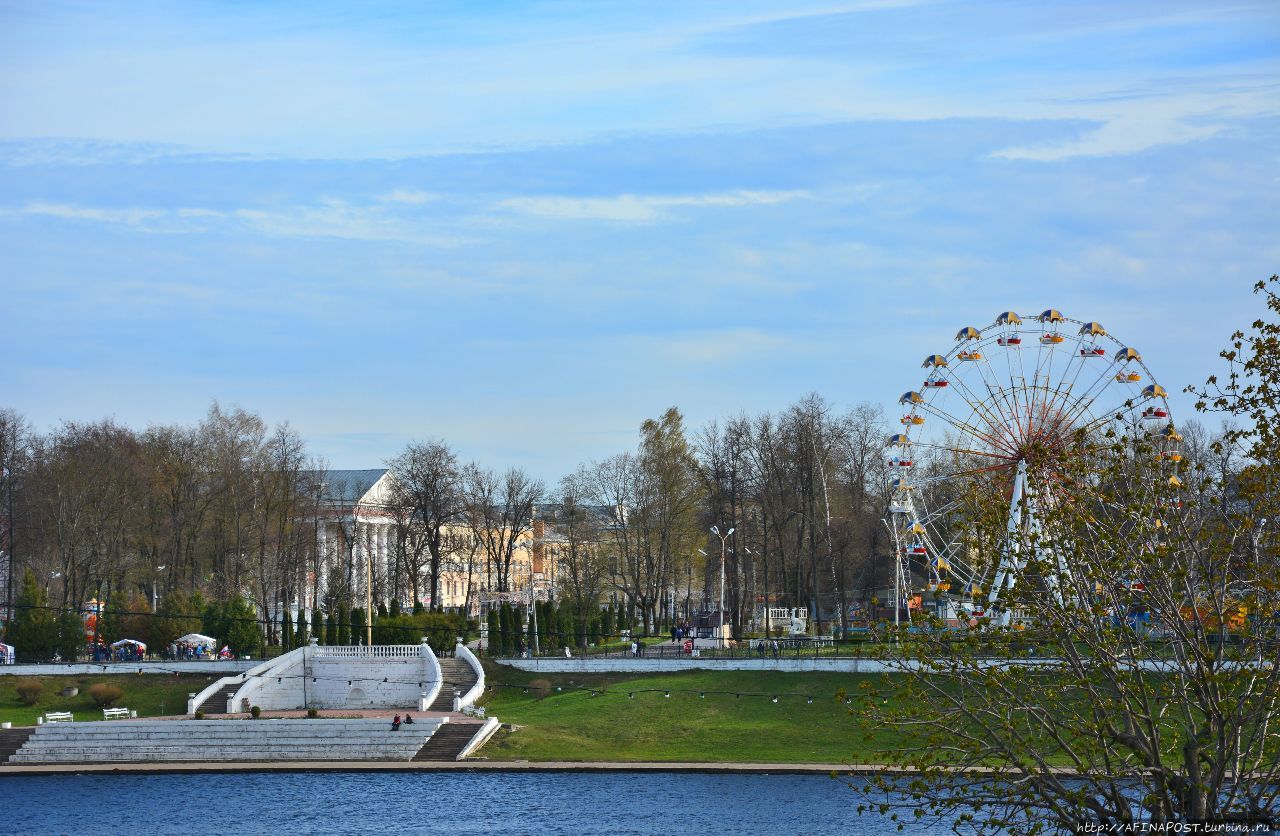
<point>197,741</point>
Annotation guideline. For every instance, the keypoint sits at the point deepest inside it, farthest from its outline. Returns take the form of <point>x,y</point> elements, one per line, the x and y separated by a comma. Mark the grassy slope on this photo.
<point>571,725</point>
<point>150,695</point>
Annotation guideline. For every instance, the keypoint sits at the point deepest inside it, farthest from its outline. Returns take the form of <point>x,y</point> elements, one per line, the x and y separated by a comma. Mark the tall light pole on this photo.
<point>724,539</point>
<point>368,595</point>
<point>533,611</point>
<point>8,587</point>
<point>155,598</point>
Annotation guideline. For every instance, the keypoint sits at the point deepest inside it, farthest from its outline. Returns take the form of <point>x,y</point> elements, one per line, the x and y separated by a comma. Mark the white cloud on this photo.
<point>327,219</point>
<point>631,208</point>
<point>411,197</point>
<point>127,216</point>
<point>726,347</point>
<point>1159,118</point>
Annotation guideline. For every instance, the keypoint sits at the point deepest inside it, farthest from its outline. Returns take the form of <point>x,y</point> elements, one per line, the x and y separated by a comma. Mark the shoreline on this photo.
<point>728,768</point>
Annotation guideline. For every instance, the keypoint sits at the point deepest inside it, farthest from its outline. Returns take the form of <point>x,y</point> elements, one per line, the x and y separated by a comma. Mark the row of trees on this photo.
<point>228,510</point>
<point>223,509</point>
<point>799,495</point>
<point>41,630</point>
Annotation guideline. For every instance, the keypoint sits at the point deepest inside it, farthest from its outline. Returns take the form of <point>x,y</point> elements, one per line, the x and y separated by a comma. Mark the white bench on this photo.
<point>59,717</point>
<point>115,713</point>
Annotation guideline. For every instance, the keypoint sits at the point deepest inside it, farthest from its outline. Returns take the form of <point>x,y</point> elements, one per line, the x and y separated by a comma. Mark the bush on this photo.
<point>255,712</point>
<point>29,691</point>
<point>104,695</point>
<point>312,713</point>
<point>540,688</point>
<point>199,715</point>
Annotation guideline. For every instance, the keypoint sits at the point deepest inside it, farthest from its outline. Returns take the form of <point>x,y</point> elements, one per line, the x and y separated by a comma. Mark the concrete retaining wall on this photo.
<point>631,665</point>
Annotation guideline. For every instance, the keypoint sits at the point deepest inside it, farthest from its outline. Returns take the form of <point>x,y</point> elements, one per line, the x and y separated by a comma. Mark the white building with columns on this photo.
<point>355,535</point>
<point>356,543</point>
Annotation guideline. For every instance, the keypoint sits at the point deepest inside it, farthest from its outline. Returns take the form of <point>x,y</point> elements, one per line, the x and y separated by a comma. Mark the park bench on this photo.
<point>115,713</point>
<point>59,717</point>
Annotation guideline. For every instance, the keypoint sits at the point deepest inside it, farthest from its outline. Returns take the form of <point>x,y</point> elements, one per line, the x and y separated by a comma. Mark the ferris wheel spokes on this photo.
<point>987,419</point>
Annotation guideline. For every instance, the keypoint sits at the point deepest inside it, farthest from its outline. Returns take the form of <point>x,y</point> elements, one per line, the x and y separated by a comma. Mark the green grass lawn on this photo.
<point>151,695</point>
<point>718,727</point>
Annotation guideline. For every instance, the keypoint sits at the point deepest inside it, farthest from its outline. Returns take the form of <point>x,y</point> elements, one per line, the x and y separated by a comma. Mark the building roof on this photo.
<point>345,487</point>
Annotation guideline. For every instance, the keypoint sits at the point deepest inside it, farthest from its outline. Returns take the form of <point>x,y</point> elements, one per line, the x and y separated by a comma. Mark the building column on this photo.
<point>358,556</point>
<point>384,558</point>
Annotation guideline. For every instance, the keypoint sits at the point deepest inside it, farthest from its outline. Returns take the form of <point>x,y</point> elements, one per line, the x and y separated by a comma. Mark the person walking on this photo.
<point>775,648</point>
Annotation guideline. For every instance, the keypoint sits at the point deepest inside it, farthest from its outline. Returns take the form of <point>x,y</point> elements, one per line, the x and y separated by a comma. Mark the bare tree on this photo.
<point>577,529</point>
<point>427,484</point>
<point>501,513</point>
<point>1146,684</point>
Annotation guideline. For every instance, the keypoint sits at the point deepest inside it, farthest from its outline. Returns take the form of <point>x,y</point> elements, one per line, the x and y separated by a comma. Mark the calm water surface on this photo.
<point>437,803</point>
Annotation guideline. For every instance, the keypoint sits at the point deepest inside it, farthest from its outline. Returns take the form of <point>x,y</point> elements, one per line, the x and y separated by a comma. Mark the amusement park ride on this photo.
<point>985,407</point>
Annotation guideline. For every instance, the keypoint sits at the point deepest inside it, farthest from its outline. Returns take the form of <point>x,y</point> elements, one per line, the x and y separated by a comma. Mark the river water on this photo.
<point>439,802</point>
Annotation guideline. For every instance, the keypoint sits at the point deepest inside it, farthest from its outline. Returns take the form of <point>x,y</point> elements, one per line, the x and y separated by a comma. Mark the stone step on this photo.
<point>122,743</point>
<point>394,746</point>
<point>217,702</point>
<point>233,755</point>
<point>11,741</point>
<point>447,743</point>
<point>410,745</point>
<point>213,729</point>
<point>273,723</point>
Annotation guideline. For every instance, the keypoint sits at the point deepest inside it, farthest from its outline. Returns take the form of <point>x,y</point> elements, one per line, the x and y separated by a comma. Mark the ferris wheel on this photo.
<point>988,409</point>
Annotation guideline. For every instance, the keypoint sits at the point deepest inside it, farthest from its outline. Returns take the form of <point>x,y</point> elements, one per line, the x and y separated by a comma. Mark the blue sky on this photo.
<point>525,227</point>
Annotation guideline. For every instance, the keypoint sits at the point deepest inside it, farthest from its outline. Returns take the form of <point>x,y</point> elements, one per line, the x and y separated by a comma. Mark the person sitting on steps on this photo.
<point>408,719</point>
<point>395,723</point>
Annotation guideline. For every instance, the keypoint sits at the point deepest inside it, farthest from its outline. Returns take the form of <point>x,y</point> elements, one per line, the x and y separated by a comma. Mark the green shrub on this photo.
<point>104,695</point>
<point>199,715</point>
<point>255,712</point>
<point>540,688</point>
<point>29,691</point>
<point>312,713</point>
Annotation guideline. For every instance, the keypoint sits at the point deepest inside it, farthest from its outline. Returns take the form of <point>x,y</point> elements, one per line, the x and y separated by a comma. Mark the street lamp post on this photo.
<point>368,596</point>
<point>8,587</point>
<point>533,611</point>
<point>724,539</point>
<point>155,583</point>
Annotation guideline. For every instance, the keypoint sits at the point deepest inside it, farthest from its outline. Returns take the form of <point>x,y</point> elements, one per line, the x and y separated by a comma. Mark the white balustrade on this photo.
<point>378,651</point>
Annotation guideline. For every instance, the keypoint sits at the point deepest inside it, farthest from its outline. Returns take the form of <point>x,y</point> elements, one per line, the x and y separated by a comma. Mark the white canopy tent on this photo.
<point>196,638</point>
<point>6,654</point>
<point>135,642</point>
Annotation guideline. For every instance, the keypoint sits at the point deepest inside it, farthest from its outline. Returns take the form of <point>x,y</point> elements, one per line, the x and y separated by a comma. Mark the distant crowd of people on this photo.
<point>124,653</point>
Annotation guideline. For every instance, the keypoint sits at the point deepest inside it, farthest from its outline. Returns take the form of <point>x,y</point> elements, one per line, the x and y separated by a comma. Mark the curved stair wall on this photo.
<point>318,676</point>
<point>469,698</point>
<point>251,677</point>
